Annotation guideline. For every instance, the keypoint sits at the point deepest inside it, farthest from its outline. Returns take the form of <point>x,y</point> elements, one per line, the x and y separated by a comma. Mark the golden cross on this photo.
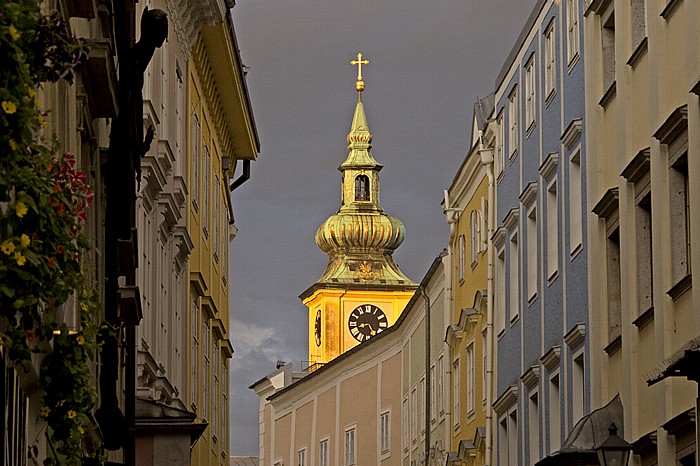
<point>359,62</point>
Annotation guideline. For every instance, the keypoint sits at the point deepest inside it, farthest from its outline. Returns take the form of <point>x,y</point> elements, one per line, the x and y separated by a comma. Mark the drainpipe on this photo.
<point>226,168</point>
<point>245,176</point>
<point>427,371</point>
<point>451,216</point>
<point>487,161</point>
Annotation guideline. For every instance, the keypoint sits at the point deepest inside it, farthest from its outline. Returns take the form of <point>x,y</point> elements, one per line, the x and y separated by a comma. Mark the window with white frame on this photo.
<point>433,394</point>
<point>470,378</point>
<point>461,253</point>
<point>301,457</point>
<point>475,235</point>
<point>421,412</point>
<point>384,433</point>
<point>534,427</point>
<point>575,203</point>
<point>500,142</point>
<point>532,253</point>
<point>206,191</point>
<point>550,61</point>
<point>572,28</point>
<point>405,424</point>
<point>513,122</point>
<point>455,393</point>
<point>554,414</point>
<point>577,387</point>
<point>439,395</point>
<point>414,414</point>
<point>500,291</point>
<point>323,453</point>
<point>502,450</point>
<point>508,439</point>
<point>552,230</point>
<point>530,93</point>
<point>196,135</point>
<point>15,416</point>
<point>350,447</point>
<point>514,276</point>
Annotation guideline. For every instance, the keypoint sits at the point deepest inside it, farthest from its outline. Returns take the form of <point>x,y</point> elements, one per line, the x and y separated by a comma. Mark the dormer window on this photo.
<point>361,188</point>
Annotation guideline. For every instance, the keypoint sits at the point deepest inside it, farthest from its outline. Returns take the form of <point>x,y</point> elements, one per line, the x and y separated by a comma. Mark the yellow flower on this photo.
<point>9,107</point>
<point>44,411</point>
<point>81,430</point>
<point>13,32</point>
<point>21,260</point>
<point>32,94</point>
<point>80,340</point>
<point>71,414</point>
<point>24,240</point>
<point>13,144</point>
<point>7,247</point>
<point>21,209</point>
<point>84,307</point>
<point>41,120</point>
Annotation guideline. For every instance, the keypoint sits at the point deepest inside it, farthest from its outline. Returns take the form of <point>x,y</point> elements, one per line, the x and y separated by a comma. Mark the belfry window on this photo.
<point>361,188</point>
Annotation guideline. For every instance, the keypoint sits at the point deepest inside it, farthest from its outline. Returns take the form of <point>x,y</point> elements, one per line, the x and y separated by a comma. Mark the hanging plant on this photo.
<point>43,202</point>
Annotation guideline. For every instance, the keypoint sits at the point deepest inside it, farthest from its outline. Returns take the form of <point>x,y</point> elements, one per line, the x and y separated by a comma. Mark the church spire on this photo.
<point>361,238</point>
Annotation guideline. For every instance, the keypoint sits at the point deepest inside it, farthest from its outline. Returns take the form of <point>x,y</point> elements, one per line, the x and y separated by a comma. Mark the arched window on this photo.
<point>461,258</point>
<point>361,188</point>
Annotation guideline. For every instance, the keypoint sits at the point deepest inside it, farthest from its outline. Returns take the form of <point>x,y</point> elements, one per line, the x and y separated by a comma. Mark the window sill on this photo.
<point>531,300</point>
<point>670,9</point>
<point>681,287</point>
<point>552,277</point>
<point>501,333</point>
<point>550,97</point>
<point>638,53</point>
<point>513,156</point>
<point>614,346</point>
<point>530,129</point>
<point>572,62</point>
<point>514,320</point>
<point>576,251</point>
<point>609,95</point>
<point>644,319</point>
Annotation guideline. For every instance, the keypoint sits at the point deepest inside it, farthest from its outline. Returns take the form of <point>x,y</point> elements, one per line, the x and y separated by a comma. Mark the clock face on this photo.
<point>317,328</point>
<point>366,321</point>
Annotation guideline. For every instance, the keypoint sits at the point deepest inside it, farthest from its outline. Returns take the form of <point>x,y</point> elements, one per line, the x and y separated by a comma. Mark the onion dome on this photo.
<point>360,238</point>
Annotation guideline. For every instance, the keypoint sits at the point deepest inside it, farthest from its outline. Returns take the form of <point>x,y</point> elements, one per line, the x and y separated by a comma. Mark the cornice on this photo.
<point>188,17</point>
<point>608,203</point>
<point>531,376</point>
<point>676,122</point>
<point>550,360</point>
<point>572,133</point>
<point>638,166</point>
<point>575,336</point>
<point>506,400</point>
<point>529,194</point>
<point>511,219</point>
<point>499,237</point>
<point>549,166</point>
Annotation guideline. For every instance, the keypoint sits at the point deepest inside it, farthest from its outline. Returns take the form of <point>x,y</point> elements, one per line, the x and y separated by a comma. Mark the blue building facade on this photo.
<point>540,258</point>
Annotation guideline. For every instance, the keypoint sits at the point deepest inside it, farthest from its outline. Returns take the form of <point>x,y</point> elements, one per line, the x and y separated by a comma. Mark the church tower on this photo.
<point>362,291</point>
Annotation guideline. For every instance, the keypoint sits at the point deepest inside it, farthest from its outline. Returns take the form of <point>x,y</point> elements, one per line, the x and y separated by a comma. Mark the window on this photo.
<point>608,46</point>
<point>534,427</point>
<point>195,159</point>
<point>500,291</point>
<point>384,432</point>
<point>461,258</point>
<point>572,28</point>
<point>550,61</point>
<point>206,191</point>
<point>217,216</point>
<point>414,414</point>
<point>577,386</point>
<point>205,376</point>
<point>14,412</point>
<point>455,393</point>
<point>513,122</point>
<point>302,457</point>
<point>439,394</point>
<point>350,447</point>
<point>421,412</point>
<point>405,425</point>
<point>530,94</point>
<point>680,217</point>
<point>470,378</point>
<point>475,235</point>
<point>614,297</point>
<point>639,25</point>
<point>500,152</point>
<point>575,205</point>
<point>532,254</point>
<point>433,394</point>
<point>484,352</point>
<point>361,188</point>
<point>194,361</point>
<point>645,299</point>
<point>323,453</point>
<point>508,439</point>
<point>514,283</point>
<point>554,416</point>
<point>552,230</point>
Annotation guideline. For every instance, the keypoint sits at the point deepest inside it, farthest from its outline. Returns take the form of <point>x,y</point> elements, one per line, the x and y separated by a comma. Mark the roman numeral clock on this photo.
<point>362,291</point>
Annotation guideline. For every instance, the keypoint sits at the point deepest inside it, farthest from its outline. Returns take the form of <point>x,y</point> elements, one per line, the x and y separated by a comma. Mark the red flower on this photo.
<point>51,261</point>
<point>61,209</point>
<point>56,187</point>
<point>29,335</point>
<point>53,201</point>
<point>60,249</point>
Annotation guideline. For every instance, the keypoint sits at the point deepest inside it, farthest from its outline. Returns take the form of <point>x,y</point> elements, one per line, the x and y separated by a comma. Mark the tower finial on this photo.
<point>360,84</point>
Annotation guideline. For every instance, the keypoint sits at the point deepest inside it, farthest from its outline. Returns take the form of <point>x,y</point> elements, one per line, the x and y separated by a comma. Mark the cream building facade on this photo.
<point>642,108</point>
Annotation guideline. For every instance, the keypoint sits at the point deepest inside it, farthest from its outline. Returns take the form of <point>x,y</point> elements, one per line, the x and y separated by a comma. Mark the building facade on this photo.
<point>643,114</point>
<point>469,333</point>
<point>541,386</point>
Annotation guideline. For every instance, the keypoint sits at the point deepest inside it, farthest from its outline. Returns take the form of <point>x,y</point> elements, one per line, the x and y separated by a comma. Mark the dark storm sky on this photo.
<point>429,61</point>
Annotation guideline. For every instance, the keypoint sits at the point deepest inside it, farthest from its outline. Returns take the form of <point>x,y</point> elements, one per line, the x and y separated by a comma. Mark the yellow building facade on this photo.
<point>221,135</point>
<point>362,291</point>
<point>466,209</point>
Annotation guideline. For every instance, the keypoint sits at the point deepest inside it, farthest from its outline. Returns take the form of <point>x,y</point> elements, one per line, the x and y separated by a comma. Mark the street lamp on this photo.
<point>614,451</point>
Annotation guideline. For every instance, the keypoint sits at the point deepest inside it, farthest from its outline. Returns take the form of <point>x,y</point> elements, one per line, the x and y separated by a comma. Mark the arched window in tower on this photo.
<point>361,188</point>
